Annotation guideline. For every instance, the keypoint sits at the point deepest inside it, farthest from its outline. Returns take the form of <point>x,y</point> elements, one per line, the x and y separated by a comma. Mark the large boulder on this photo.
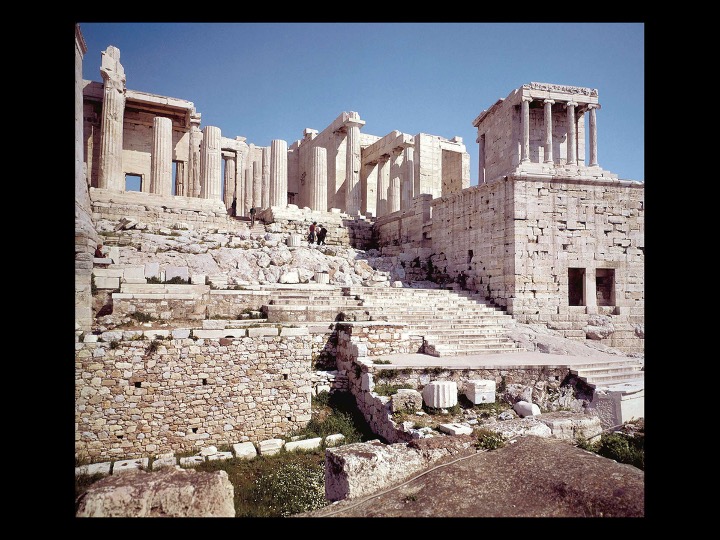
<point>169,492</point>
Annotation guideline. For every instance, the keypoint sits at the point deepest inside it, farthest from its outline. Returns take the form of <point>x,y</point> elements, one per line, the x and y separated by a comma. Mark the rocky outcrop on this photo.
<point>169,492</point>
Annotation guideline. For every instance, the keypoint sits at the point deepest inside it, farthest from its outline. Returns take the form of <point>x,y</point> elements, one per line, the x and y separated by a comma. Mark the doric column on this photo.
<point>408,181</point>
<point>383,184</point>
<point>525,148</point>
<point>278,173</point>
<point>210,164</point>
<point>161,164</point>
<point>257,183</point>
<point>394,184</point>
<point>265,177</point>
<point>318,179</point>
<point>481,158</point>
<point>571,133</point>
<point>353,197</point>
<point>111,125</point>
<point>241,160</point>
<point>248,199</point>
<point>194,174</point>
<point>548,131</point>
<point>230,187</point>
<point>593,135</point>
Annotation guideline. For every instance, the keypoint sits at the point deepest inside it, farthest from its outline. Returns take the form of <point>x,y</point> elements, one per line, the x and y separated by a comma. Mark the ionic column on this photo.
<point>548,131</point>
<point>525,148</point>
<point>318,179</point>
<point>265,177</point>
<point>278,173</point>
<point>572,133</point>
<point>353,197</point>
<point>210,164</point>
<point>194,174</point>
<point>593,135</point>
<point>257,183</point>
<point>161,164</point>
<point>408,178</point>
<point>383,183</point>
<point>481,158</point>
<point>110,174</point>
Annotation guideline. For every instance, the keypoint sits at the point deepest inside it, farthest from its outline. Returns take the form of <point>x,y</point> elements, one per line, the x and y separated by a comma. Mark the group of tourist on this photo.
<point>317,234</point>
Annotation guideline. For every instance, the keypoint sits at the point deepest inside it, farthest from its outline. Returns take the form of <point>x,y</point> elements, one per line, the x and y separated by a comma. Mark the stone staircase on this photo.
<point>451,323</point>
<point>621,375</point>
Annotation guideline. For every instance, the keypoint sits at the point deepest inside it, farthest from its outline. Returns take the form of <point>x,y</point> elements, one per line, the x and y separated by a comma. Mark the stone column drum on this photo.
<point>440,394</point>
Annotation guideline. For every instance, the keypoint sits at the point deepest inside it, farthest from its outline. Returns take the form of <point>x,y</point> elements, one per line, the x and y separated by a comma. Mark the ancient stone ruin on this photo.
<point>240,313</point>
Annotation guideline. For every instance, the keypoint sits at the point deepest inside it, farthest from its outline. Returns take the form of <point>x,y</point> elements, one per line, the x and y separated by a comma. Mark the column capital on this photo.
<point>354,123</point>
<point>526,98</point>
<point>571,104</point>
<point>593,106</point>
<point>548,101</point>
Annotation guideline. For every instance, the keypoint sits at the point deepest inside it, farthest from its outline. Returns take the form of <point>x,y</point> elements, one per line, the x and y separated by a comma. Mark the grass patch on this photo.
<point>141,317</point>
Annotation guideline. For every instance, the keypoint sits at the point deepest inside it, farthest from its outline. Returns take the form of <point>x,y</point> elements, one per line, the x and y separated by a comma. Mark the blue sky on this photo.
<point>269,81</point>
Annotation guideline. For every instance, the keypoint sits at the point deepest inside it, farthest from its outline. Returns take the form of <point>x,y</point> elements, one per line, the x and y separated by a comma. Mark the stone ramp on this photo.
<point>452,323</point>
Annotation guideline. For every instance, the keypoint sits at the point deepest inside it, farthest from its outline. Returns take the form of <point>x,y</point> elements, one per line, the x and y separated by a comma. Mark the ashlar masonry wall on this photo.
<point>137,398</point>
<point>527,242</point>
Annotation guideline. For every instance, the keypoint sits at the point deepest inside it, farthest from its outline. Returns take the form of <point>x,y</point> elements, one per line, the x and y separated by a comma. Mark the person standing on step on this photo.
<point>252,217</point>
<point>98,252</point>
<point>311,235</point>
<point>321,234</point>
<point>233,207</point>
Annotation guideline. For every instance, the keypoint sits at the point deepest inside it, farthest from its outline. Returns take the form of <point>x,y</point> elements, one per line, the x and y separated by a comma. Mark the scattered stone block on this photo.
<point>245,450</point>
<point>177,271</point>
<point>480,391</point>
<point>334,440</point>
<point>130,464</point>
<point>163,462</point>
<point>525,408</point>
<point>94,468</point>
<point>455,429</point>
<point>269,447</point>
<point>307,444</point>
<point>191,461</point>
<point>198,279</point>
<point>406,400</point>
<point>220,456</point>
<point>181,333</point>
<point>208,451</point>
<point>165,493</point>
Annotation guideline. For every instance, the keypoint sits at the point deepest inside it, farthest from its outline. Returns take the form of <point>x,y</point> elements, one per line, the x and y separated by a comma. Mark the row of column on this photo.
<point>571,134</point>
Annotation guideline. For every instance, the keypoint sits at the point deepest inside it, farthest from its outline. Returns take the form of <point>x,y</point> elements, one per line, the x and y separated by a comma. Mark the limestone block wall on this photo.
<point>139,398</point>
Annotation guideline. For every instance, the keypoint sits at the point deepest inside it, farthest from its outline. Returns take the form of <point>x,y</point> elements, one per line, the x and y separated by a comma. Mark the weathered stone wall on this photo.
<point>133,401</point>
<point>515,240</point>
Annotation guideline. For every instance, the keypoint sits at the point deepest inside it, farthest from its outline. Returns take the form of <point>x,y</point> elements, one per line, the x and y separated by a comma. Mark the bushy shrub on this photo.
<point>292,489</point>
<point>623,449</point>
<point>489,440</point>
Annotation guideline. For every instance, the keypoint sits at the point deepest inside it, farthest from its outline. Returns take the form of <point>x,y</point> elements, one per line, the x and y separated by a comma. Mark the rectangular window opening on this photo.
<point>605,286</point>
<point>576,286</point>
